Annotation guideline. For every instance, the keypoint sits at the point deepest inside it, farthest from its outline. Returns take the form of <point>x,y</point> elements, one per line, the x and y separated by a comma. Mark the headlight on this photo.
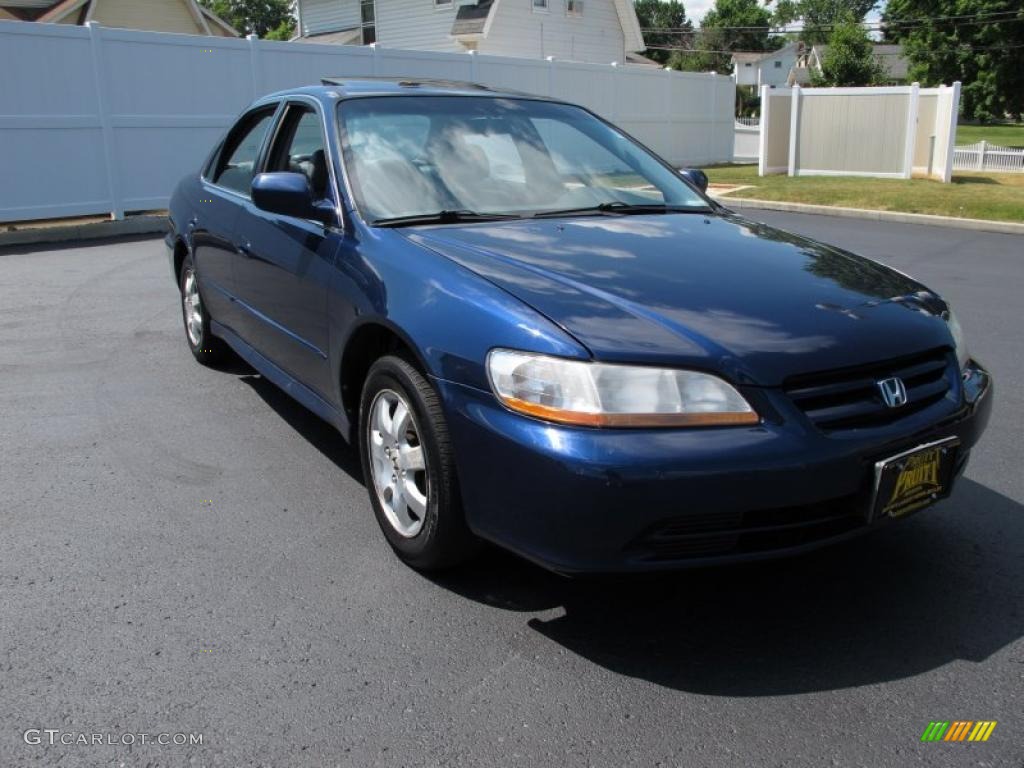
<point>605,395</point>
<point>958,337</point>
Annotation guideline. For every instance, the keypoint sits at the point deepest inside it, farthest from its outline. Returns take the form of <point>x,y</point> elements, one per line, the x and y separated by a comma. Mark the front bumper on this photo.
<point>606,500</point>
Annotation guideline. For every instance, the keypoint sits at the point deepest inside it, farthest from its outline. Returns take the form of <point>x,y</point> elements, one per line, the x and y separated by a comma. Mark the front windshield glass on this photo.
<point>420,155</point>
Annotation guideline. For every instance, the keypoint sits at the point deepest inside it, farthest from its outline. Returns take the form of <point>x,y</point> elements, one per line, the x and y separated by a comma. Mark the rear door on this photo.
<point>284,264</point>
<point>224,189</point>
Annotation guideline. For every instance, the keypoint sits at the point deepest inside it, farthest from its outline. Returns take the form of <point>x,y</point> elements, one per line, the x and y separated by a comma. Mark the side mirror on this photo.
<point>698,178</point>
<point>289,194</point>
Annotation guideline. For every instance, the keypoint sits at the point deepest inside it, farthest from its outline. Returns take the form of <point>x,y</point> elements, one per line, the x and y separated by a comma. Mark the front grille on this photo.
<point>849,398</point>
<point>738,533</point>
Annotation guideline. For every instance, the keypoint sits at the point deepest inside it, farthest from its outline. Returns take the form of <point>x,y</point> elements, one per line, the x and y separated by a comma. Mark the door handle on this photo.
<point>192,222</point>
<point>246,250</point>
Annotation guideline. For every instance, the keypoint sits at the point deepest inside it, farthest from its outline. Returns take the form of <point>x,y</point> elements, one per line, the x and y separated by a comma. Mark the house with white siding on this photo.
<point>597,31</point>
<point>768,68</point>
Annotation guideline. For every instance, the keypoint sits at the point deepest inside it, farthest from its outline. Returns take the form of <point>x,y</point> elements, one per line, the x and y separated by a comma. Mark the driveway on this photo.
<point>184,550</point>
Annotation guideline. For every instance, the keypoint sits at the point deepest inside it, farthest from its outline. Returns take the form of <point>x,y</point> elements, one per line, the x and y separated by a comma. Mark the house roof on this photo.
<point>745,57</point>
<point>471,19</point>
<point>634,37</point>
<point>50,11</point>
<point>349,36</point>
<point>892,58</point>
<point>25,10</point>
<point>642,61</point>
<point>889,56</point>
<point>213,18</point>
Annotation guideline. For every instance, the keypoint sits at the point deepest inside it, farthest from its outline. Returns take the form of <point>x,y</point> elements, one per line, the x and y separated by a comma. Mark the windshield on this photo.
<point>420,155</point>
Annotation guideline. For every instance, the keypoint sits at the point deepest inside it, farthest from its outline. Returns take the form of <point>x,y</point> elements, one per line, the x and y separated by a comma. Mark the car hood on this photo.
<point>714,292</point>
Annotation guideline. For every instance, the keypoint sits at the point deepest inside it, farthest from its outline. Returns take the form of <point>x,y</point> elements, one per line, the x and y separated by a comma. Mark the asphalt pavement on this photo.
<point>186,551</point>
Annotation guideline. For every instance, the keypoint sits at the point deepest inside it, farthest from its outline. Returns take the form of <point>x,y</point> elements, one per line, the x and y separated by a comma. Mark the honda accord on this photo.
<point>539,334</point>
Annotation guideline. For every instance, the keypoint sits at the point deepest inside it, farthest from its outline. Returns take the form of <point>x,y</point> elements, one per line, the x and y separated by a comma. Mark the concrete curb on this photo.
<point>94,230</point>
<point>977,225</point>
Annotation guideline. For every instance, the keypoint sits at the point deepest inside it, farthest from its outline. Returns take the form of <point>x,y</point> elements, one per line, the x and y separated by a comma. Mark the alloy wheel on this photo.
<point>193,309</point>
<point>398,462</point>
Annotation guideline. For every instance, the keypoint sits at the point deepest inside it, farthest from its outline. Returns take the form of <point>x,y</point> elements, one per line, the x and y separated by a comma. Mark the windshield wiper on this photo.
<point>443,217</point>
<point>617,206</point>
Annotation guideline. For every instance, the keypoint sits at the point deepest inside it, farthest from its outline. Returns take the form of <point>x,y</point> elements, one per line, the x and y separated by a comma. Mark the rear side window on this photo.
<point>237,162</point>
<point>299,148</point>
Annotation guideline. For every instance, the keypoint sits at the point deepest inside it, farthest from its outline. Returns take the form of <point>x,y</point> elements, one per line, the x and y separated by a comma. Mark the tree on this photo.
<point>260,17</point>
<point>720,32</point>
<point>667,15</point>
<point>983,49</point>
<point>819,16</point>
<point>850,58</point>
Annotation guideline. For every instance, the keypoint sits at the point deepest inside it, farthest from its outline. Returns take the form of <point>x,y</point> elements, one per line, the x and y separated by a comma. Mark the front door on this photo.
<point>224,188</point>
<point>284,264</point>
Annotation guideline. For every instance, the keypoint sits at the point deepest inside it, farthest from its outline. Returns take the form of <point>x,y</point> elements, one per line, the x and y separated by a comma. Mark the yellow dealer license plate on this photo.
<point>914,479</point>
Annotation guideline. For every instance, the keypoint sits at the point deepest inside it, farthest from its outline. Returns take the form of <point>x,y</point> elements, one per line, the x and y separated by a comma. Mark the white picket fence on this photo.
<point>99,120</point>
<point>988,157</point>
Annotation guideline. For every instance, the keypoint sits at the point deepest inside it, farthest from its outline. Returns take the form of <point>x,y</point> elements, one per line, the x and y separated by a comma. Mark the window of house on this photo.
<point>746,64</point>
<point>778,65</point>
<point>237,163</point>
<point>442,3</point>
<point>574,7</point>
<point>540,5</point>
<point>368,14</point>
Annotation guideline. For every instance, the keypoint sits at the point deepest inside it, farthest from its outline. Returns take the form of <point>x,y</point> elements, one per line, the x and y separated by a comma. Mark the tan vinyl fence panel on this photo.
<point>775,120</point>
<point>865,135</point>
<point>895,132</point>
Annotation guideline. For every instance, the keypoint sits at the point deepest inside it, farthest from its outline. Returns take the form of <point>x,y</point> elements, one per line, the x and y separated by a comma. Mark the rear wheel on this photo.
<point>206,348</point>
<point>409,468</point>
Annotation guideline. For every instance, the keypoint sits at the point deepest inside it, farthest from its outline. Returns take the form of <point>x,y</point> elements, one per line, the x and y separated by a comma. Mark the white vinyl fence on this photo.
<point>894,132</point>
<point>988,157</point>
<point>101,120</point>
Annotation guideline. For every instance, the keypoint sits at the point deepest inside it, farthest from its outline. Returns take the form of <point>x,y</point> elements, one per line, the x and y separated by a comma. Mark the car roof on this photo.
<point>337,88</point>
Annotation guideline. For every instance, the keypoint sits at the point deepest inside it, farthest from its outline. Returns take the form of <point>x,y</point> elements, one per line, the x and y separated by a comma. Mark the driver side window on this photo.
<point>299,148</point>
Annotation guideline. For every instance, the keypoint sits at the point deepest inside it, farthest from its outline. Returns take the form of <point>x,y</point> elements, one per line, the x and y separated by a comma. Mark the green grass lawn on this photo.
<point>1003,135</point>
<point>971,195</point>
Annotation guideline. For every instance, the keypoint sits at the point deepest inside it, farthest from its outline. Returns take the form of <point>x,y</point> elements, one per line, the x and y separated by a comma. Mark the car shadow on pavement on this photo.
<point>941,587</point>
<point>321,435</point>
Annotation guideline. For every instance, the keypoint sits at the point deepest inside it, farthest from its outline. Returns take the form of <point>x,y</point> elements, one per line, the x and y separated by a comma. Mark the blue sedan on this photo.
<point>541,335</point>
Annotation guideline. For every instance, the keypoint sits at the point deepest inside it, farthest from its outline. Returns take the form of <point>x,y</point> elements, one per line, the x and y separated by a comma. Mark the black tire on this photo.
<point>443,540</point>
<point>207,348</point>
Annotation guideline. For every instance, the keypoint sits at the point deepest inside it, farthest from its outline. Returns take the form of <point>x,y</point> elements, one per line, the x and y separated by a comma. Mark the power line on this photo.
<point>954,49</point>
<point>868,26</point>
<point>973,19</point>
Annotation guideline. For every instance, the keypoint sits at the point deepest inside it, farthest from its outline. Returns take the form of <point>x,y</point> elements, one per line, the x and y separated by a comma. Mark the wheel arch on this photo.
<point>180,252</point>
<point>372,339</point>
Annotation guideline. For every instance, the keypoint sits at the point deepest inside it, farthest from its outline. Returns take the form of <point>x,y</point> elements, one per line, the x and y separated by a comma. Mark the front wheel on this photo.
<point>409,467</point>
